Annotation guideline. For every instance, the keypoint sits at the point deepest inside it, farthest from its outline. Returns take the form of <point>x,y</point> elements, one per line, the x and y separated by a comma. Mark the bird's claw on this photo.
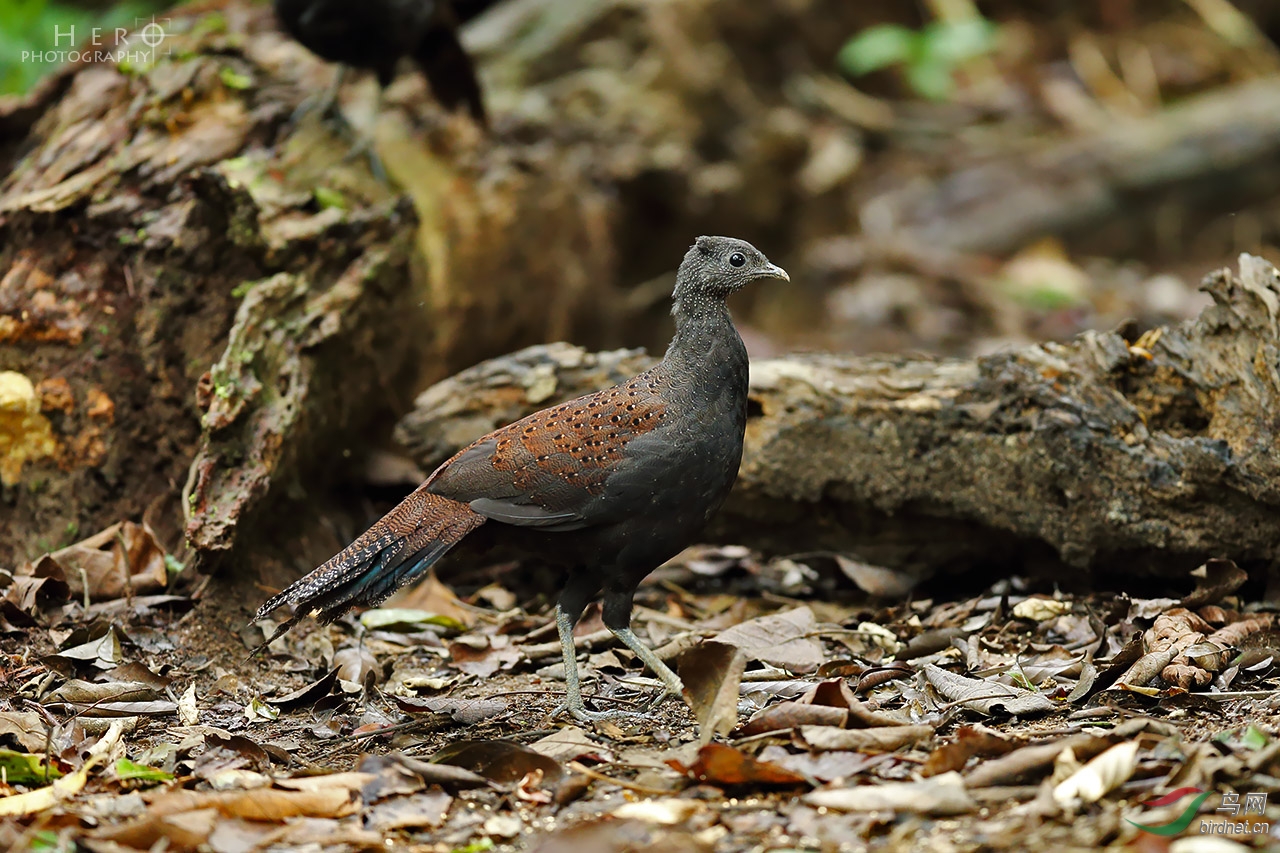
<point>581,714</point>
<point>658,701</point>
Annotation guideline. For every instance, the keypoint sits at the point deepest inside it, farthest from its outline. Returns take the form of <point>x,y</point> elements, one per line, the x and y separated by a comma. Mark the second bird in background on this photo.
<point>377,34</point>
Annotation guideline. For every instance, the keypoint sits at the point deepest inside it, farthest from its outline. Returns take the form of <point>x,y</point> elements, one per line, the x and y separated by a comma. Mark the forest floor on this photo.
<point>844,724</point>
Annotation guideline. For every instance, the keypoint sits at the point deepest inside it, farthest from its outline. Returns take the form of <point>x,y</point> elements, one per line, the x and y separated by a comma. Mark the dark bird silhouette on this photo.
<point>610,485</point>
<point>377,34</point>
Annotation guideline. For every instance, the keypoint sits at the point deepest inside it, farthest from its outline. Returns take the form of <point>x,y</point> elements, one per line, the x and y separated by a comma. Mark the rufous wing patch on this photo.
<point>581,441</point>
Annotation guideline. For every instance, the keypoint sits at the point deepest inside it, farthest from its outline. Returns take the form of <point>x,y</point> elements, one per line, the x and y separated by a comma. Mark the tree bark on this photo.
<point>1100,454</point>
<point>205,304</point>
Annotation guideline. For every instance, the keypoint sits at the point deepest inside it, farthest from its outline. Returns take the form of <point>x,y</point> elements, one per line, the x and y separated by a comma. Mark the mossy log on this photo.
<point>205,301</point>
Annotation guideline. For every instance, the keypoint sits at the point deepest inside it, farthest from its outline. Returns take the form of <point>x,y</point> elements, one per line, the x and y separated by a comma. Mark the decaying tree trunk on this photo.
<point>1101,454</point>
<point>203,302</point>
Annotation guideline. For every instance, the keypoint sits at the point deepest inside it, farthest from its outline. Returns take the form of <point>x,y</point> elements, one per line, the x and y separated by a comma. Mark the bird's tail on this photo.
<point>396,550</point>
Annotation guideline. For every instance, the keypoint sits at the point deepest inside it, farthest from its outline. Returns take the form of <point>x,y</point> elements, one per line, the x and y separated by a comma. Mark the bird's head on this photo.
<point>715,267</point>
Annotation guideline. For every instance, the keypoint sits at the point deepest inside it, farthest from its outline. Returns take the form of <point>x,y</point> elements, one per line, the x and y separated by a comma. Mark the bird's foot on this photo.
<point>617,715</point>
<point>582,715</point>
<point>579,712</point>
<point>660,700</point>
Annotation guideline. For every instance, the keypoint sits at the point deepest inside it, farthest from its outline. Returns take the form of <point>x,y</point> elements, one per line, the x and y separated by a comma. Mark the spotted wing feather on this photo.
<point>549,470</point>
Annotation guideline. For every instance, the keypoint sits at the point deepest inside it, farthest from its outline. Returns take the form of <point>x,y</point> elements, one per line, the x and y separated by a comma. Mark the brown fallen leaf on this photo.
<point>77,692</point>
<point>466,712</point>
<point>185,830</point>
<point>718,764</point>
<point>483,656</point>
<point>836,693</point>
<point>571,744</point>
<point>26,727</point>
<point>1216,580</point>
<point>781,639</point>
<point>1030,761</point>
<point>434,597</point>
<point>970,741</point>
<point>269,804</point>
<point>499,761</point>
<point>358,665</point>
<point>877,580</point>
<point>789,715</point>
<point>125,558</point>
<point>425,809</point>
<point>940,795</point>
<point>712,676</point>
<point>823,766</point>
<point>138,672</point>
<point>29,596</point>
<point>308,695</point>
<point>1103,773</point>
<point>880,739</point>
<point>350,781</point>
<point>987,696</point>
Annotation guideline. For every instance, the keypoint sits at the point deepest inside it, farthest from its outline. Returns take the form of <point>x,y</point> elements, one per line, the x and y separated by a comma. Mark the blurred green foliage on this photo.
<point>928,56</point>
<point>28,28</point>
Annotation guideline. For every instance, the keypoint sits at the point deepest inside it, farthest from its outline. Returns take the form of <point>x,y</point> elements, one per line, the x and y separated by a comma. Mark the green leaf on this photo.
<point>931,80</point>
<point>955,42</point>
<point>128,771</point>
<point>233,79</point>
<point>328,198</point>
<point>259,711</point>
<point>1254,738</point>
<point>480,846</point>
<point>47,841</point>
<point>878,47</point>
<point>21,768</point>
<point>403,619</point>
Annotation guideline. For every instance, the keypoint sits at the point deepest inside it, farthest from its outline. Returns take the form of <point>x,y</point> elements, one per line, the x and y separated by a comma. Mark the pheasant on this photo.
<point>608,485</point>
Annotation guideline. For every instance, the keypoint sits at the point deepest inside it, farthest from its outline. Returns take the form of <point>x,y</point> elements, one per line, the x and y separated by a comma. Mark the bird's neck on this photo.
<point>706,342</point>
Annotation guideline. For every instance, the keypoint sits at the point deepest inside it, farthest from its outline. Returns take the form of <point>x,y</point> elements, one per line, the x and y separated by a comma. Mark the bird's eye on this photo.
<point>737,259</point>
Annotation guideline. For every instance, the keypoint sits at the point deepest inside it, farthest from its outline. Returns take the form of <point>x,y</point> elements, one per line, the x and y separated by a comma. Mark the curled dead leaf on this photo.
<point>718,764</point>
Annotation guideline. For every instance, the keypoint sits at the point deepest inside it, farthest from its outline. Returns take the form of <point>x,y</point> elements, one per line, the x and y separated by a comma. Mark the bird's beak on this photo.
<point>775,271</point>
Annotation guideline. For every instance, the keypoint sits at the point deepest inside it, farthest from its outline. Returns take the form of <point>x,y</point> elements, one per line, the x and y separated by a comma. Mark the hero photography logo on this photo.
<point>1253,804</point>
<point>140,45</point>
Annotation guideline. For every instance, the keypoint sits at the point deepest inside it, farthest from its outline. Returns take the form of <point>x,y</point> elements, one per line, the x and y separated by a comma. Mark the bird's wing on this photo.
<point>549,470</point>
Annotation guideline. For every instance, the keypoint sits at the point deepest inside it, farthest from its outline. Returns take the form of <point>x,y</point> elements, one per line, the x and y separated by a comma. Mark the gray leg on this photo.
<point>617,618</point>
<point>579,588</point>
<point>326,103</point>
<point>572,685</point>
<point>665,674</point>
